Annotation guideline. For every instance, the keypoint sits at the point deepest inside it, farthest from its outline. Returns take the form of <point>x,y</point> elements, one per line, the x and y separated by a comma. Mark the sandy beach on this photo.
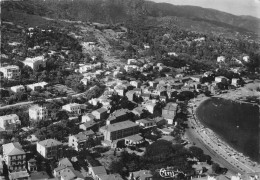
<point>212,145</point>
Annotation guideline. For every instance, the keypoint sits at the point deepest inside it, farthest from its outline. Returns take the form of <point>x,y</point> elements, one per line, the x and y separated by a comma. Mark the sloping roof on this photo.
<point>50,142</point>
<point>70,173</point>
<point>99,170</point>
<point>119,126</point>
<point>142,174</point>
<point>65,162</point>
<point>135,138</point>
<point>13,149</point>
<point>170,107</point>
<point>101,110</point>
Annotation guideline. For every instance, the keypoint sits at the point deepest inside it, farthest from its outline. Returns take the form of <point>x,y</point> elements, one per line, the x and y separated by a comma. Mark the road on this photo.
<point>193,137</point>
<point>31,102</point>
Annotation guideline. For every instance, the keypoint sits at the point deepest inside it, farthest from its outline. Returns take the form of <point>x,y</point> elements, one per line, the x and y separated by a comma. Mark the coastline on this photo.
<point>226,155</point>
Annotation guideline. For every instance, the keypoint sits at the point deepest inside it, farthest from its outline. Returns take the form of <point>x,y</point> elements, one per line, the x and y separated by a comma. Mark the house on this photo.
<point>35,63</point>
<point>111,177</point>
<point>19,88</point>
<point>85,68</point>
<point>221,79</point>
<point>70,173</point>
<point>84,81</point>
<point>131,61</point>
<point>120,90</point>
<point>197,78</point>
<point>32,167</point>
<point>150,106</point>
<point>221,59</point>
<point>100,113</point>
<point>14,156</point>
<point>172,54</point>
<point>169,112</point>
<point>83,140</point>
<point>130,95</point>
<point>38,113</point>
<point>246,58</point>
<point>133,140</point>
<point>146,123</point>
<point>235,82</point>
<point>10,72</point>
<point>50,148</point>
<point>9,122</point>
<point>139,111</point>
<point>87,117</point>
<point>74,108</point>
<point>119,130</point>
<point>119,116</point>
<point>137,91</point>
<point>153,84</point>
<point>65,162</point>
<point>136,84</point>
<point>89,125</point>
<point>97,172</point>
<point>141,175</point>
<point>208,74</point>
<point>36,86</point>
<point>146,96</point>
<point>129,68</point>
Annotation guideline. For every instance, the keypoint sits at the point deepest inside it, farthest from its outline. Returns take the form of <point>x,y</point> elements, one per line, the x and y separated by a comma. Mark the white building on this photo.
<point>10,72</point>
<point>172,54</point>
<point>74,108</point>
<point>85,68</point>
<point>36,86</point>
<point>221,59</point>
<point>84,81</point>
<point>221,79</point>
<point>9,122</point>
<point>14,156</point>
<point>130,67</point>
<point>35,62</point>
<point>131,61</point>
<point>50,148</point>
<point>246,58</point>
<point>16,89</point>
<point>38,113</point>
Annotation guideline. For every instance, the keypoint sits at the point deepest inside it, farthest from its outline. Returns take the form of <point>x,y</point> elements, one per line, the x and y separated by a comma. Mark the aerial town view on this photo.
<point>130,90</point>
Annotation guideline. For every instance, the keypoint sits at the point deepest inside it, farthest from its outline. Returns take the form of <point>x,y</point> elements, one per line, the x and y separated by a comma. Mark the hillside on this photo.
<point>130,11</point>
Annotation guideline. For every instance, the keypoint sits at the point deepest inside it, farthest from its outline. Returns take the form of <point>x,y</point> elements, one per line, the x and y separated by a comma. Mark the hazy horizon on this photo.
<point>236,7</point>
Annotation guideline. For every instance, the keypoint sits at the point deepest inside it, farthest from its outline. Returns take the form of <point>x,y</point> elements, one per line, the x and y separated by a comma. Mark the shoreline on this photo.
<point>236,161</point>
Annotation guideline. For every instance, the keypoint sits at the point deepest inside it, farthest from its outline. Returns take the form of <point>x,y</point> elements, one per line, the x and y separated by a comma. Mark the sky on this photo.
<point>237,7</point>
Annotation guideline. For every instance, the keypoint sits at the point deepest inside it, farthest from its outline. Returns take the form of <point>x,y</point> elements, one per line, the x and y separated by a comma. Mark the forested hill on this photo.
<point>133,11</point>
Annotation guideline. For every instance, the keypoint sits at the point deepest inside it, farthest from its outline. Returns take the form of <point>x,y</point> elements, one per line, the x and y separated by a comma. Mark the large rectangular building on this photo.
<point>119,130</point>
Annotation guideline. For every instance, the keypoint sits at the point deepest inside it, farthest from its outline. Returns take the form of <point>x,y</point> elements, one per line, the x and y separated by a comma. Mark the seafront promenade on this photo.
<point>238,161</point>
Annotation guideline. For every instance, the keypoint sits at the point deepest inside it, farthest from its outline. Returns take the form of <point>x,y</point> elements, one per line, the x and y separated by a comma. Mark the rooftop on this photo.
<point>99,170</point>
<point>13,149</point>
<point>34,59</point>
<point>119,126</point>
<point>50,142</point>
<point>170,107</point>
<point>8,116</point>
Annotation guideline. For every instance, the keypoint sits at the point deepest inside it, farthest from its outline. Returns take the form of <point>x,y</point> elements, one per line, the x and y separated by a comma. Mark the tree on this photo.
<point>216,168</point>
